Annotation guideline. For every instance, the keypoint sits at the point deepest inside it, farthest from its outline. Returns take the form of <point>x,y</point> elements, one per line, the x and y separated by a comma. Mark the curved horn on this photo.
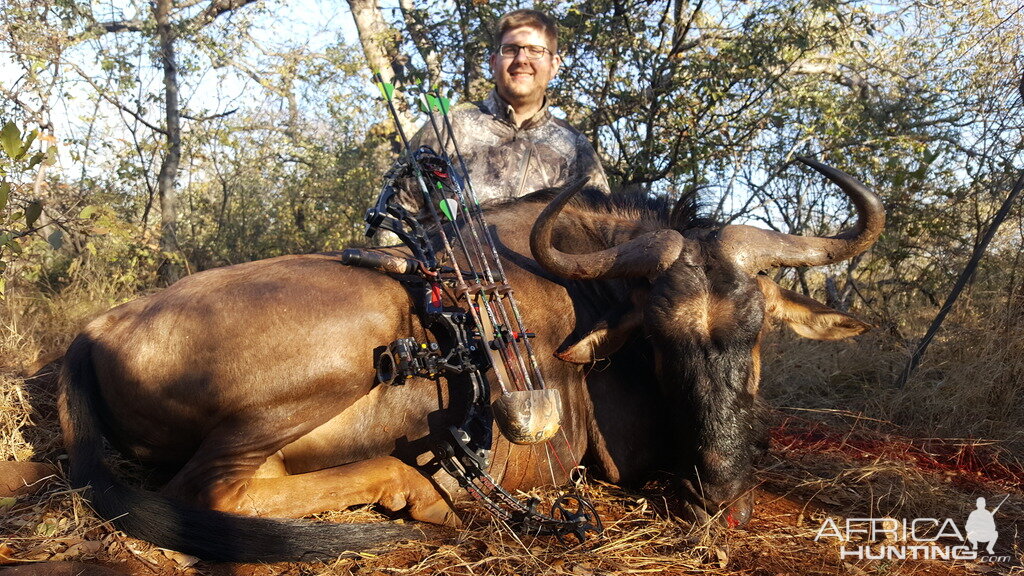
<point>756,250</point>
<point>652,252</point>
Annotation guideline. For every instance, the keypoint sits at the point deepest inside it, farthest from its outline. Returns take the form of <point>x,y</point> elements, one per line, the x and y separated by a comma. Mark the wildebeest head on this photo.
<point>705,307</point>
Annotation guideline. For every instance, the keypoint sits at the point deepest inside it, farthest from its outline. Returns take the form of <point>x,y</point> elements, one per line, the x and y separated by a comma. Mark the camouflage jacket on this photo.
<point>507,162</point>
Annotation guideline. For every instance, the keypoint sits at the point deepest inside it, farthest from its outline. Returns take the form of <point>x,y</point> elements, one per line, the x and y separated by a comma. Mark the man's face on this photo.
<point>520,80</point>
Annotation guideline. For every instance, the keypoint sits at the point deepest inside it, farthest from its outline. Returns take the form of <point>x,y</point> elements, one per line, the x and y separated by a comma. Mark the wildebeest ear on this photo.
<point>806,316</point>
<point>605,339</point>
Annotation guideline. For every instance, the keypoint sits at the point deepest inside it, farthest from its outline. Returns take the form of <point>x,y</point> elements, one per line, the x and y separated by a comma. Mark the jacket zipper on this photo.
<point>523,168</point>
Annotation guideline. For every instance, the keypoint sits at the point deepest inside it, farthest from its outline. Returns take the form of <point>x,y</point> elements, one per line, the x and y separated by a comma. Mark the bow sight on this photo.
<point>470,308</point>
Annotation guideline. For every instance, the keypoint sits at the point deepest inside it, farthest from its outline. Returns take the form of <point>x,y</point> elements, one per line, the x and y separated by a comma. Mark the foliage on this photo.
<point>918,99</point>
<point>19,213</point>
<point>282,144</point>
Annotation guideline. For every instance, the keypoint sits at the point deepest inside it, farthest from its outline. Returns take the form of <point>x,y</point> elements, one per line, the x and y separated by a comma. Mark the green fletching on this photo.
<point>387,90</point>
<point>432,101</point>
<point>449,207</point>
<point>446,105</point>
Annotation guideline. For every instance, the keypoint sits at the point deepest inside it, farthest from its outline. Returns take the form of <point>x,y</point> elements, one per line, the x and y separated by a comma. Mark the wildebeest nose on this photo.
<point>735,502</point>
<point>738,512</point>
<point>732,503</point>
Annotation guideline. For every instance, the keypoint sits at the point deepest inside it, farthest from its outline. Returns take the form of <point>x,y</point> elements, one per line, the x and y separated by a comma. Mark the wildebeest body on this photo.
<point>255,382</point>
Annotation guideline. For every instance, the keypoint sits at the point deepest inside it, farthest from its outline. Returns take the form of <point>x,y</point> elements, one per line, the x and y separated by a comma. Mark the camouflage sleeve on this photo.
<point>424,137</point>
<point>588,164</point>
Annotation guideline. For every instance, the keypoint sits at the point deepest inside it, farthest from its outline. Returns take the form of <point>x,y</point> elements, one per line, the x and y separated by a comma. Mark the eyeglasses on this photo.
<point>533,52</point>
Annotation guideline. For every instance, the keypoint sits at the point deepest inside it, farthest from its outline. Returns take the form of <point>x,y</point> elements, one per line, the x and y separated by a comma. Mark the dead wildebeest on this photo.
<point>254,384</point>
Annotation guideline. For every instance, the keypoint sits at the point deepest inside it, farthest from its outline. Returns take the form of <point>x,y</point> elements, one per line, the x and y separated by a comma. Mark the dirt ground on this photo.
<point>821,465</point>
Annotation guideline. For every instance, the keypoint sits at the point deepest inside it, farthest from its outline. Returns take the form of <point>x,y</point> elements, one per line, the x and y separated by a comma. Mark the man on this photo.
<point>511,143</point>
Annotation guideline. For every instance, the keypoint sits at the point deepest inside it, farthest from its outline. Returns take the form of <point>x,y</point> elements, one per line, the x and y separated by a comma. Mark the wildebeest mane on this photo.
<point>682,213</point>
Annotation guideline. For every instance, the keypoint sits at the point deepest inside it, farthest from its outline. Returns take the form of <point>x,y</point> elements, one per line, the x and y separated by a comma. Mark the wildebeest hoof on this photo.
<point>438,512</point>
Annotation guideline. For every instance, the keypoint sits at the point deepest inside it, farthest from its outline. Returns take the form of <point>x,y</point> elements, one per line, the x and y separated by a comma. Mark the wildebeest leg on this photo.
<point>24,477</point>
<point>386,481</point>
<point>61,569</point>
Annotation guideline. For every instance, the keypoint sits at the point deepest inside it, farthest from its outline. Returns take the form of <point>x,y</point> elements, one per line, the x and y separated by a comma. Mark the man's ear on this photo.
<point>556,63</point>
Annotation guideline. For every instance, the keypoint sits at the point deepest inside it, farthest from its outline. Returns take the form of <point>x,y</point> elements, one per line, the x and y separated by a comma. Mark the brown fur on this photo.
<point>60,569</point>
<point>254,384</point>
<point>24,477</point>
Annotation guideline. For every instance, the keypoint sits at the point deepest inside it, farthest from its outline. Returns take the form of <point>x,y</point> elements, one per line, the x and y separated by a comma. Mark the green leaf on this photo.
<point>56,239</point>
<point>46,529</point>
<point>2,286</point>
<point>87,212</point>
<point>27,143</point>
<point>51,156</point>
<point>10,139</point>
<point>32,212</point>
<point>36,159</point>
<point>7,502</point>
<point>5,193</point>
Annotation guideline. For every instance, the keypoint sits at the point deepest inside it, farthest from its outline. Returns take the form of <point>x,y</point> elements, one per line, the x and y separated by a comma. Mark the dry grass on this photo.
<point>966,387</point>
<point>845,444</point>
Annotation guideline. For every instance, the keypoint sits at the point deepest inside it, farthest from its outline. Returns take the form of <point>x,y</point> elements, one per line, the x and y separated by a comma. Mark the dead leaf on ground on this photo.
<point>723,558</point>
<point>6,555</point>
<point>183,560</point>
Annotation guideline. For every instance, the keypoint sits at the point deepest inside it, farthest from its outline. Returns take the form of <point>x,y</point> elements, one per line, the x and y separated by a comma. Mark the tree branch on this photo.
<point>216,9</point>
<point>849,78</point>
<point>965,276</point>
<point>420,37</point>
<point>210,117</point>
<point>101,28</point>
<point>137,114</point>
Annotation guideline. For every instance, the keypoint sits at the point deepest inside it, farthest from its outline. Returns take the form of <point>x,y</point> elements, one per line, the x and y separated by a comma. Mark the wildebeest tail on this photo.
<point>208,534</point>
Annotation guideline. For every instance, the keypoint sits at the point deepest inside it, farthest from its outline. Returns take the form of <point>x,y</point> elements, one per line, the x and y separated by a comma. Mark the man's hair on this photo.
<point>529,18</point>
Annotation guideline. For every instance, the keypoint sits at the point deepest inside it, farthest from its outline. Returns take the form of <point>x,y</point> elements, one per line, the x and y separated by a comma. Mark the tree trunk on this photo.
<point>380,47</point>
<point>169,271</point>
